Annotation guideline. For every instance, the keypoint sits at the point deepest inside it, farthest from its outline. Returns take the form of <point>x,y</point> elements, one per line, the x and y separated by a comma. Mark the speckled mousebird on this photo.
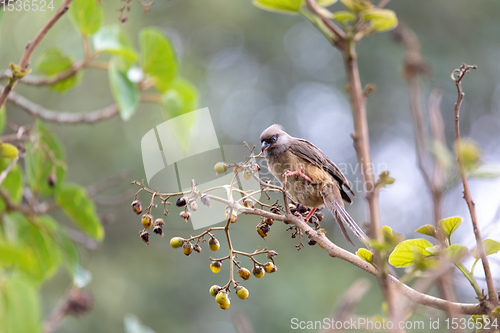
<point>313,180</point>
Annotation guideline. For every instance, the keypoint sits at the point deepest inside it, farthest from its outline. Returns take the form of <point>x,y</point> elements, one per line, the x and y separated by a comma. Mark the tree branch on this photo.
<point>62,117</point>
<point>457,76</point>
<point>337,252</point>
<point>30,48</point>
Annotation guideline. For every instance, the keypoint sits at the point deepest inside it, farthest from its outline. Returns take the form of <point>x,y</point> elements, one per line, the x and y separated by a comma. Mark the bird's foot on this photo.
<point>308,217</point>
<point>298,172</point>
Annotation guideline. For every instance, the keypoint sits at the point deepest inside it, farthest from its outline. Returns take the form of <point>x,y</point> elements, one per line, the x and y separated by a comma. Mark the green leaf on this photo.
<point>112,40</point>
<point>455,252</point>
<point>282,6</point>
<point>490,247</point>
<point>158,58</point>
<point>449,225</point>
<point>74,201</point>
<point>37,239</point>
<point>124,91</point>
<point>428,230</point>
<point>51,63</point>
<point>86,15</point>
<point>380,19</point>
<point>19,306</point>
<point>407,251</point>
<point>344,16</point>
<point>365,254</point>
<point>3,118</point>
<point>180,98</point>
<point>44,159</point>
<point>15,255</point>
<point>13,186</point>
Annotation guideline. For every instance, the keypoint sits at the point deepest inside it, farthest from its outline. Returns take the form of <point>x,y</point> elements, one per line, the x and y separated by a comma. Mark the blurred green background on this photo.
<point>253,68</point>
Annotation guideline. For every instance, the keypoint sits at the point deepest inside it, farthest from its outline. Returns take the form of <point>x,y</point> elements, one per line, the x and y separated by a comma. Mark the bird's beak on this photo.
<point>265,146</point>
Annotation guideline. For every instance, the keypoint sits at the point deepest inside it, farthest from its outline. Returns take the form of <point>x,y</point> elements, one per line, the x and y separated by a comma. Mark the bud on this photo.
<point>158,227</point>
<point>52,181</point>
<point>205,200</point>
<point>187,248</point>
<point>185,215</point>
<point>144,236</point>
<point>271,254</point>
<point>192,204</point>
<point>255,167</point>
<point>137,206</point>
<point>234,214</point>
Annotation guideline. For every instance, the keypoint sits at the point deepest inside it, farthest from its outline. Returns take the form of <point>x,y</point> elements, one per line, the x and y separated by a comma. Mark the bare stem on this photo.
<point>457,75</point>
<point>30,48</point>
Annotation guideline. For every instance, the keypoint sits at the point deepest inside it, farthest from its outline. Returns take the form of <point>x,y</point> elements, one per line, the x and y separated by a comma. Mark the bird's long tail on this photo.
<point>335,206</point>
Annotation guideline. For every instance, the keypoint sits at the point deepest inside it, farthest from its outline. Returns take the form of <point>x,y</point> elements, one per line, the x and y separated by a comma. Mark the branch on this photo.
<point>30,48</point>
<point>63,117</point>
<point>337,252</point>
<point>457,76</point>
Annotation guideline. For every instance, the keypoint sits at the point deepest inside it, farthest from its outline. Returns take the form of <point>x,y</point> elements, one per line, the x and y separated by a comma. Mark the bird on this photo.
<point>311,178</point>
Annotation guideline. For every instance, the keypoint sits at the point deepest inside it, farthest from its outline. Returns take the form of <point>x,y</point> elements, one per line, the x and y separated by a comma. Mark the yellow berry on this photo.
<point>220,167</point>
<point>258,272</point>
<point>214,290</point>
<point>222,298</point>
<point>187,248</point>
<point>242,292</point>
<point>213,244</point>
<point>8,151</point>
<point>244,273</point>
<point>215,266</point>
<point>176,242</point>
<point>147,220</point>
<point>270,267</point>
<point>225,306</point>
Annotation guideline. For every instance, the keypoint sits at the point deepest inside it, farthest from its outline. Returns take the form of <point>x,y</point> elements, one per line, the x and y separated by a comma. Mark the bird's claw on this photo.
<point>299,172</point>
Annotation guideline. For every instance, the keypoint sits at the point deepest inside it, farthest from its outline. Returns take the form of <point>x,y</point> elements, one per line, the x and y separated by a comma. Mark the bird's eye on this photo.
<point>273,139</point>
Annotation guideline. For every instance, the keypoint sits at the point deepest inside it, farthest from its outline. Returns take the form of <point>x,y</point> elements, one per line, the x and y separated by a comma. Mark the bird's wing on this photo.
<point>314,155</point>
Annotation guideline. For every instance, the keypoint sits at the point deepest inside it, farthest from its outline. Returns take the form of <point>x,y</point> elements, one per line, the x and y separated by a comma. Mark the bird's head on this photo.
<point>274,140</point>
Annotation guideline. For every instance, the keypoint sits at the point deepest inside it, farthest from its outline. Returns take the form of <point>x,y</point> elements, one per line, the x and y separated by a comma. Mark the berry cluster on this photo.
<point>190,201</point>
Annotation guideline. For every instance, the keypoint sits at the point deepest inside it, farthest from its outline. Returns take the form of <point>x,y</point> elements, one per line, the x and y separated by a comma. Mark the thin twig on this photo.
<point>457,76</point>
<point>63,117</point>
<point>30,48</point>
